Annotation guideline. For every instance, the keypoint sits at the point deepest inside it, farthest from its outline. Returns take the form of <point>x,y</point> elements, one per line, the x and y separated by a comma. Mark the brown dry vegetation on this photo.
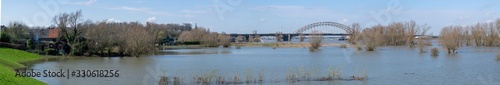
<point>225,40</point>
<point>395,34</point>
<point>480,34</point>
<point>372,37</point>
<point>450,38</point>
<point>315,40</point>
<point>205,37</point>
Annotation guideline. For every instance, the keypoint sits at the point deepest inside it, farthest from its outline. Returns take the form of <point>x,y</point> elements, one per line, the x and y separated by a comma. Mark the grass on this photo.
<point>11,59</point>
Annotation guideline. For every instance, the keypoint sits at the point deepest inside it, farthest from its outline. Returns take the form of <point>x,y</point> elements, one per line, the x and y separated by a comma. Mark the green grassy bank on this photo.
<point>11,59</point>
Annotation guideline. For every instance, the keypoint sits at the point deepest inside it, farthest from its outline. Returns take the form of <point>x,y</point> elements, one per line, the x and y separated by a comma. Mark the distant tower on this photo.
<point>195,25</point>
<point>254,32</point>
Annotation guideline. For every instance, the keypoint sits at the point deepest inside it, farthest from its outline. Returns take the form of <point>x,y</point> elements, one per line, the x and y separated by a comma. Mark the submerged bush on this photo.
<point>343,46</point>
<point>434,52</point>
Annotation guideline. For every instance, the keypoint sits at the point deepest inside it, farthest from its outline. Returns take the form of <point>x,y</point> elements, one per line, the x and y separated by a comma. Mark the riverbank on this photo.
<point>11,59</point>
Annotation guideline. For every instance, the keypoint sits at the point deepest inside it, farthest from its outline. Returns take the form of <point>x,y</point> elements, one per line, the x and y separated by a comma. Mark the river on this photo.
<point>399,65</point>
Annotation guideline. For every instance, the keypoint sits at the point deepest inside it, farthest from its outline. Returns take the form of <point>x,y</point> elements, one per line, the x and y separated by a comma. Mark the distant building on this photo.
<point>53,33</point>
<point>45,34</point>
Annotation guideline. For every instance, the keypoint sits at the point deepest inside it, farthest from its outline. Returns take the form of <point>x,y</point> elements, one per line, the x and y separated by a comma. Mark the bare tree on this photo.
<point>210,39</point>
<point>450,38</point>
<point>477,34</point>
<point>70,33</point>
<point>138,40</point>
<point>278,36</point>
<point>411,30</point>
<point>301,37</point>
<point>373,37</point>
<point>186,36</point>
<point>422,41</point>
<point>256,38</point>
<point>355,33</point>
<point>224,40</point>
<point>315,40</point>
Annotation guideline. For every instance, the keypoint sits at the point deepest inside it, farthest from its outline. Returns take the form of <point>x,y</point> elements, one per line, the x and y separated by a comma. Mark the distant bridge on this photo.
<point>322,27</point>
<point>286,36</point>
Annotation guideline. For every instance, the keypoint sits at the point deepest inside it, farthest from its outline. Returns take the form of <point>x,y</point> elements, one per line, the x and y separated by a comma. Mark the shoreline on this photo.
<point>13,59</point>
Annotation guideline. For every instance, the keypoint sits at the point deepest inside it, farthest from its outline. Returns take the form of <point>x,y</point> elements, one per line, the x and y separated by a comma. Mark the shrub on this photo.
<point>372,37</point>
<point>343,46</point>
<point>225,40</point>
<point>434,52</point>
<point>315,40</point>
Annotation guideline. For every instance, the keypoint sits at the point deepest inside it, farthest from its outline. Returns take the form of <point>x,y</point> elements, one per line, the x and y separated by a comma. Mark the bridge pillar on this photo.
<point>286,37</point>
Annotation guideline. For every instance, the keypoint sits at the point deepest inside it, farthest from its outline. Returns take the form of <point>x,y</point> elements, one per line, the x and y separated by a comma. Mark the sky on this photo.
<point>263,16</point>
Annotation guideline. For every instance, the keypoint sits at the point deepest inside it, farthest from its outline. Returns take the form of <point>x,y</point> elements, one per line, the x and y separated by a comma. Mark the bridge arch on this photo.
<point>346,28</point>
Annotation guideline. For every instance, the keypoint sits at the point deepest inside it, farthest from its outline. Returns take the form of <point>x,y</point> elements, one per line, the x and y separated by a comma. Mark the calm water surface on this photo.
<point>399,65</point>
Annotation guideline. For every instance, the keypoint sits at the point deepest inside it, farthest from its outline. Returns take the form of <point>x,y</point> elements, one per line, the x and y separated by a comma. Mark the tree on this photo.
<point>210,39</point>
<point>278,36</point>
<point>450,38</point>
<point>186,36</point>
<point>224,40</point>
<point>101,37</point>
<point>355,33</point>
<point>138,39</point>
<point>70,33</point>
<point>421,42</point>
<point>373,37</point>
<point>256,38</point>
<point>16,30</point>
<point>315,41</point>
<point>477,34</point>
<point>411,30</point>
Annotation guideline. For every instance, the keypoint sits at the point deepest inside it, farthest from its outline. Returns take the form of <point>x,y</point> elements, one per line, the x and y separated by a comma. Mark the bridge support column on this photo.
<point>285,37</point>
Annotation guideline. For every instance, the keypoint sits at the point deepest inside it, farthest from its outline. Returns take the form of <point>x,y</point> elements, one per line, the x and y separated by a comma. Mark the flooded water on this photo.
<point>398,65</point>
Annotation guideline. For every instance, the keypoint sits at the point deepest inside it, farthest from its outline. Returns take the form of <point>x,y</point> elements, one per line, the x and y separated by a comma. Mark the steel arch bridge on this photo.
<point>346,28</point>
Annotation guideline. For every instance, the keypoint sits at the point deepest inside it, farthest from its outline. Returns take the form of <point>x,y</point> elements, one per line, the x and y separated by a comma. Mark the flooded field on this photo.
<point>267,66</point>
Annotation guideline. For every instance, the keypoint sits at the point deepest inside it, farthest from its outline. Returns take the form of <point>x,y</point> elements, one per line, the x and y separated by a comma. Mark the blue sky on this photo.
<point>264,16</point>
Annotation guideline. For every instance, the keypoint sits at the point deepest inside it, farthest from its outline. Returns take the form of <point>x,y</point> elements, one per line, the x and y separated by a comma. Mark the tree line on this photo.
<point>101,37</point>
<point>394,34</point>
<point>480,34</point>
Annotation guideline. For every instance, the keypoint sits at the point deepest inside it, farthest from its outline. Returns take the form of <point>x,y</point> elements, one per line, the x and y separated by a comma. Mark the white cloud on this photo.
<point>143,10</point>
<point>112,20</point>
<point>151,19</point>
<point>86,3</point>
